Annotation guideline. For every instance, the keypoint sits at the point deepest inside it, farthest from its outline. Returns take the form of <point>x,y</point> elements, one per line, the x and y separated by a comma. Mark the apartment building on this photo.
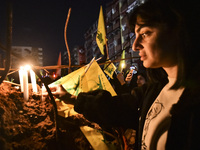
<point>118,34</point>
<point>33,55</point>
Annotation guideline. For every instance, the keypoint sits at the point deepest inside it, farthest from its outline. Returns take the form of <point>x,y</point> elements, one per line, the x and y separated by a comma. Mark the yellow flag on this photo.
<point>109,69</point>
<point>95,79</point>
<point>101,32</point>
<point>71,82</point>
<point>86,79</point>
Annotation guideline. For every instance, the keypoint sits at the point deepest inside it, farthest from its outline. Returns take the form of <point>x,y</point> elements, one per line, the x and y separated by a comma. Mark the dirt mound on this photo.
<point>30,125</point>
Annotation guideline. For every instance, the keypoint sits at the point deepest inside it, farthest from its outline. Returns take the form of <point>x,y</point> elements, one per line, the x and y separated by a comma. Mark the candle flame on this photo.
<point>27,67</point>
<point>123,65</point>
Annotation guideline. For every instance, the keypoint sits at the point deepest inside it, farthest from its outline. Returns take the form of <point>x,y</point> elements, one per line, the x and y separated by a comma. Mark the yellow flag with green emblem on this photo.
<point>101,32</point>
<point>95,79</point>
<point>71,82</point>
<point>88,78</point>
<point>109,69</point>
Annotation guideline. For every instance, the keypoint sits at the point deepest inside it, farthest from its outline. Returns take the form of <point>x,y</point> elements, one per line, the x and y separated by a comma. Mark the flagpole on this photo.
<point>89,65</point>
<point>107,49</point>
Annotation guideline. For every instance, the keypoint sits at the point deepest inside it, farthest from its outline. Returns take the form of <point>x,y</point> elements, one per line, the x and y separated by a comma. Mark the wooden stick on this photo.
<point>89,65</point>
<point>107,48</point>
<point>65,35</point>
<point>74,66</point>
<point>8,41</point>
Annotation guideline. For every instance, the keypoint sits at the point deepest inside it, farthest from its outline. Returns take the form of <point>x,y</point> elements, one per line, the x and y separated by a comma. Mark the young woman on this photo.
<point>166,112</point>
<point>141,79</point>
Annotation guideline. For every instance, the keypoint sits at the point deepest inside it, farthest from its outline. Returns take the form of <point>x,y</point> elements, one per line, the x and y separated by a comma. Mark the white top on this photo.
<point>158,118</point>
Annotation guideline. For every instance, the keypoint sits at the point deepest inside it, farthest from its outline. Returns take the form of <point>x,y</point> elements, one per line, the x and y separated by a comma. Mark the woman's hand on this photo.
<point>129,76</point>
<point>120,77</point>
<point>59,92</point>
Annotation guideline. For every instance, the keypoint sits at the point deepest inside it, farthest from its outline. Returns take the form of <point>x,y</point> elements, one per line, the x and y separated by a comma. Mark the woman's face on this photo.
<point>156,46</point>
<point>140,80</point>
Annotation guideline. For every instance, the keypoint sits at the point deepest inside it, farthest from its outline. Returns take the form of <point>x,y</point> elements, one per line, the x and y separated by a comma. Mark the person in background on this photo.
<point>141,79</point>
<point>128,77</point>
<point>165,113</point>
<point>132,80</point>
<point>126,84</point>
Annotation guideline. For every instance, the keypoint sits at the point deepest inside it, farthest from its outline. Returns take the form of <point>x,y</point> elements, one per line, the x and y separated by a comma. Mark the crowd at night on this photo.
<point>138,88</point>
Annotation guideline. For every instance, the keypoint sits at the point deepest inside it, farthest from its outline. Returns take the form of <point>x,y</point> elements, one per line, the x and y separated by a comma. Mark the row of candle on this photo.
<point>23,77</point>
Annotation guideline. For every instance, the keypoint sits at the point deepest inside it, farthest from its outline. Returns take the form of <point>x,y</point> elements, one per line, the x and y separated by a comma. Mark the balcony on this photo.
<point>116,25</point>
<point>110,40</point>
<point>117,36</point>
<point>109,29</point>
<point>111,51</point>
<point>130,2</point>
<point>118,48</point>
<point>125,19</point>
<point>126,44</point>
<point>125,32</point>
<point>115,15</point>
<point>124,6</point>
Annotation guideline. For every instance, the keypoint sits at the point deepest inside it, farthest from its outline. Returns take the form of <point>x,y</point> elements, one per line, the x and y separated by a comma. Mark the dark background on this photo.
<point>40,23</point>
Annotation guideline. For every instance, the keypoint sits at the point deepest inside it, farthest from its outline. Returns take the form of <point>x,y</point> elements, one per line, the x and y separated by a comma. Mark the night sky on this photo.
<point>40,23</point>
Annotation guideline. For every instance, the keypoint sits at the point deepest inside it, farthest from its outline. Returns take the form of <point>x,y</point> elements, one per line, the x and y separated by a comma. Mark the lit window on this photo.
<point>123,27</point>
<point>113,11</point>
<point>115,43</point>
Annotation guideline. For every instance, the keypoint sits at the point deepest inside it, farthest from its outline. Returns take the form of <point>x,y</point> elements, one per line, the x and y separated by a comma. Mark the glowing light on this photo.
<point>23,76</point>
<point>27,67</point>
<point>122,66</point>
<point>33,81</point>
<point>43,91</point>
<point>54,75</point>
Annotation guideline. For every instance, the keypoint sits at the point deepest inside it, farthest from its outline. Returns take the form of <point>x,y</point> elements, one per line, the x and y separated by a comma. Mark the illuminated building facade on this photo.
<point>118,34</point>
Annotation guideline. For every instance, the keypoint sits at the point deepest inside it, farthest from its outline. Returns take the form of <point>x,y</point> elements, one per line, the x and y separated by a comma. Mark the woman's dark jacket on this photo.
<point>129,111</point>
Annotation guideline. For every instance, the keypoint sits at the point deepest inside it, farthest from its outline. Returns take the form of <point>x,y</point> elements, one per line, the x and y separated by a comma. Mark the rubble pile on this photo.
<point>28,125</point>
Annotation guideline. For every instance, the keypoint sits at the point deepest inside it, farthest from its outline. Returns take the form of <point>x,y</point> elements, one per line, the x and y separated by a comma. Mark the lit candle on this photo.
<point>25,82</point>
<point>21,70</point>
<point>33,81</point>
<point>43,91</point>
<point>122,66</point>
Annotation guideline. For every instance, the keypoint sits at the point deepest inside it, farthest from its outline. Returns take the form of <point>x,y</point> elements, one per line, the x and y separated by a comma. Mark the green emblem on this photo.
<point>75,88</point>
<point>100,36</point>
